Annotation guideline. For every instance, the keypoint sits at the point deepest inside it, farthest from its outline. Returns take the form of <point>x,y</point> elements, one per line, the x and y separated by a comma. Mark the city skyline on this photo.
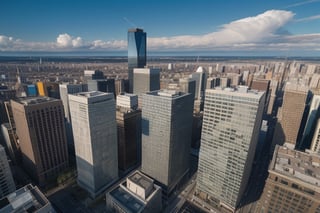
<point>286,28</point>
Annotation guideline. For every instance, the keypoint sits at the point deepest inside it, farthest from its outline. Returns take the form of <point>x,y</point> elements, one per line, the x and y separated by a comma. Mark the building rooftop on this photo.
<point>26,199</point>
<point>36,100</point>
<point>237,91</point>
<point>90,94</point>
<point>300,165</point>
<point>135,30</point>
<point>125,199</point>
<point>146,71</point>
<point>166,93</point>
<point>141,180</point>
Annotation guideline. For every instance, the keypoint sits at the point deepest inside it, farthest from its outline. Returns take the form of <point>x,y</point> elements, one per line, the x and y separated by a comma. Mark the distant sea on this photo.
<point>121,56</point>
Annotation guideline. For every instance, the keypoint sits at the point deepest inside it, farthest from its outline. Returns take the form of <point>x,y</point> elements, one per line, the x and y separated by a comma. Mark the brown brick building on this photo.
<point>293,184</point>
<point>42,136</point>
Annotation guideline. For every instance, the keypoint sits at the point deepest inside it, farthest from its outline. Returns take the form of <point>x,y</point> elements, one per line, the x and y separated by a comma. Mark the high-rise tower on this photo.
<point>66,89</point>
<point>42,137</point>
<point>230,131</point>
<point>93,116</point>
<point>137,52</point>
<point>6,180</point>
<point>166,136</point>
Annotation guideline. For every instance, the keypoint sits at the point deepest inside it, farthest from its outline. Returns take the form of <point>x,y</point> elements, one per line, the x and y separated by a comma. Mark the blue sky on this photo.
<point>273,26</point>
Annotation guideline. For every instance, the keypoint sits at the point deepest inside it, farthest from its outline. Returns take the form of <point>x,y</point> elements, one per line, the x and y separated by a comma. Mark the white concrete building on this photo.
<point>93,116</point>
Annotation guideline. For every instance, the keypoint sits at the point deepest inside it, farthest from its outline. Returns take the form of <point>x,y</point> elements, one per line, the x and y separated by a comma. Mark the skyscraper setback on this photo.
<point>41,131</point>
<point>230,132</point>
<point>137,52</point>
<point>93,116</point>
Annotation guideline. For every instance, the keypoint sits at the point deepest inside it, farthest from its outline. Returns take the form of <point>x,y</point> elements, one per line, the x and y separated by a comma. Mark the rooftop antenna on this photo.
<point>130,22</point>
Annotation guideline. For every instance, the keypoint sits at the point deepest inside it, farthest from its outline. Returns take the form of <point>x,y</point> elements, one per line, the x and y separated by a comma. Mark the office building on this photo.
<point>120,85</point>
<point>292,184</point>
<point>166,137</point>
<point>9,141</point>
<point>138,194</point>
<point>40,127</point>
<point>127,101</point>
<point>93,116</point>
<point>262,85</point>
<point>311,123</point>
<point>52,89</point>
<point>102,85</point>
<point>26,199</point>
<point>92,75</point>
<point>188,85</point>
<point>42,90</point>
<point>213,82</point>
<point>200,77</point>
<point>315,143</point>
<point>145,80</point>
<point>32,90</point>
<point>65,90</point>
<point>290,125</point>
<point>5,95</point>
<point>137,52</point>
<point>129,131</point>
<point>273,95</point>
<point>225,82</point>
<point>10,136</point>
<point>230,132</point>
<point>7,185</point>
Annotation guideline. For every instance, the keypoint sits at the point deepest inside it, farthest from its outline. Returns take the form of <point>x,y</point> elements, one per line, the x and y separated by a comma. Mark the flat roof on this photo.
<point>29,198</point>
<point>35,100</point>
<point>296,164</point>
<point>126,200</point>
<point>141,180</point>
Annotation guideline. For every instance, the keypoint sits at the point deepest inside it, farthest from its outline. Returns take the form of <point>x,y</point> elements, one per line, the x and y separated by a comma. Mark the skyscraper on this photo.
<point>42,137</point>
<point>93,116</point>
<point>166,136</point>
<point>6,180</point>
<point>102,85</point>
<point>129,131</point>
<point>230,131</point>
<point>188,85</point>
<point>290,115</point>
<point>137,52</point>
<point>145,80</point>
<point>66,89</point>
<point>92,75</point>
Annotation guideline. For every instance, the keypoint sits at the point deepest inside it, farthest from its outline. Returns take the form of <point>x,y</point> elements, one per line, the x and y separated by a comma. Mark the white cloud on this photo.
<point>67,41</point>
<point>252,29</point>
<point>5,41</point>
<point>261,32</point>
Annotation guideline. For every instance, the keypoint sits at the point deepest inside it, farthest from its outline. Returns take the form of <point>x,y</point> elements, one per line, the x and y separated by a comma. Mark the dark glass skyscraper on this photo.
<point>137,52</point>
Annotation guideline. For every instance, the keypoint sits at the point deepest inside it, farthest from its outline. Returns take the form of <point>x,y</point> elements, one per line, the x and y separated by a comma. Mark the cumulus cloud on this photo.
<point>264,31</point>
<point>67,41</point>
<point>252,29</point>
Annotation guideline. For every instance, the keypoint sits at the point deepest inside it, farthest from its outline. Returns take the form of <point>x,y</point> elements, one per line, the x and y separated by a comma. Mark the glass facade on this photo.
<point>137,52</point>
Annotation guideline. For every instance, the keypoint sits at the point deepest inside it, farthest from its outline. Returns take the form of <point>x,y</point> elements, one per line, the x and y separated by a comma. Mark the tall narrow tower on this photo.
<point>166,136</point>
<point>93,116</point>
<point>137,52</point>
<point>230,131</point>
